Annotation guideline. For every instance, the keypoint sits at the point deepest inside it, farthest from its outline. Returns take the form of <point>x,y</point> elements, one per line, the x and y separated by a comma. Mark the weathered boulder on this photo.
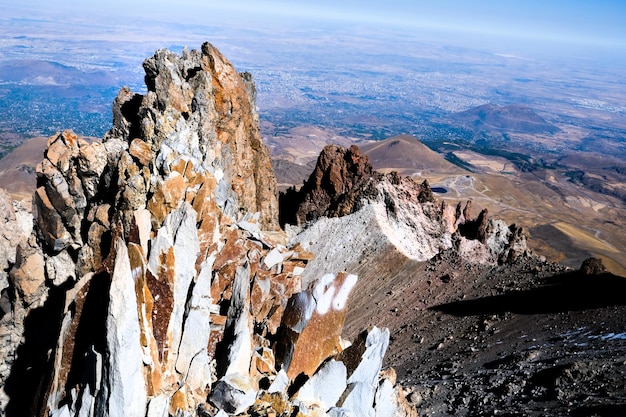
<point>312,323</point>
<point>593,266</point>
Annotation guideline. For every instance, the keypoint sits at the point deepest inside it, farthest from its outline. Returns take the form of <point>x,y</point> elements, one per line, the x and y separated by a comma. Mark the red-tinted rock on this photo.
<point>141,150</point>
<point>312,324</point>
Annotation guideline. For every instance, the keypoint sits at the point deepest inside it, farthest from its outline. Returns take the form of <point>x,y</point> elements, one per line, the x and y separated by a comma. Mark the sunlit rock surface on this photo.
<point>156,282</point>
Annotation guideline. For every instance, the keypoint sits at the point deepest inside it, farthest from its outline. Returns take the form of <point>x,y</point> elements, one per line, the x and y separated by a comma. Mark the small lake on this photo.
<point>439,190</point>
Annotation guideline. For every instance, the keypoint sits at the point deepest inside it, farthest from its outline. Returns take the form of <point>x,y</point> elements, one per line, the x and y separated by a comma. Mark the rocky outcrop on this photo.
<point>348,213</point>
<point>198,115</point>
<point>16,225</point>
<point>593,266</point>
<point>338,170</point>
<point>341,180</point>
<point>155,281</point>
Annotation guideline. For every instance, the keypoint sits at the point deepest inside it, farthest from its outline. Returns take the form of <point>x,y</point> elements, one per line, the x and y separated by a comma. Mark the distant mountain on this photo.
<point>407,155</point>
<point>512,118</point>
<point>47,73</point>
<point>289,173</point>
<point>404,154</point>
<point>17,169</point>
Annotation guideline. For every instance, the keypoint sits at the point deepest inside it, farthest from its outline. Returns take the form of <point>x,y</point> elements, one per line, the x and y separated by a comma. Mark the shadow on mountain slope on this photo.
<point>573,291</point>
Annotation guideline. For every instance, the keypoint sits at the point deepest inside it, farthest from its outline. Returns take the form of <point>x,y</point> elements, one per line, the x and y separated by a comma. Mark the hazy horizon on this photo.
<point>601,23</point>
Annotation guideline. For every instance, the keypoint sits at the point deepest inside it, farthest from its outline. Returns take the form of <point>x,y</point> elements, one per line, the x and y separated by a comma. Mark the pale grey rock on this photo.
<point>178,232</point>
<point>367,371</point>
<point>250,223</point>
<point>233,393</point>
<point>23,216</point>
<point>200,372</point>
<point>272,258</point>
<point>239,324</point>
<point>363,380</point>
<point>58,190</point>
<point>16,224</point>
<point>161,244</point>
<point>280,383</point>
<point>50,225</point>
<point>87,404</point>
<point>341,242</point>
<point>497,236</point>
<point>475,251</point>
<point>125,381</point>
<point>325,387</point>
<point>91,162</point>
<point>341,412</point>
<point>414,228</point>
<point>4,398</point>
<point>60,268</point>
<point>359,399</point>
<point>308,410</point>
<point>158,406</point>
<point>57,391</point>
<point>114,149</point>
<point>198,323</point>
<point>142,218</point>
<point>386,400</point>
<point>61,412</point>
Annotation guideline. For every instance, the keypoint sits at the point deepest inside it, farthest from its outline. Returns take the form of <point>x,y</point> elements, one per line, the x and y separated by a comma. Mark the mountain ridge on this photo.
<point>156,281</point>
<point>156,266</point>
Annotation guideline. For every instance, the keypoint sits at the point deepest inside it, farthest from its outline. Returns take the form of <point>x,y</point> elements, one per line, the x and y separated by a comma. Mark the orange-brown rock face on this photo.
<point>338,170</point>
<point>312,324</point>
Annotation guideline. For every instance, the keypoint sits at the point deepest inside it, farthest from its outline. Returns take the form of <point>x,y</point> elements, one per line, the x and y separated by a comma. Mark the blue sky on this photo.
<point>575,21</point>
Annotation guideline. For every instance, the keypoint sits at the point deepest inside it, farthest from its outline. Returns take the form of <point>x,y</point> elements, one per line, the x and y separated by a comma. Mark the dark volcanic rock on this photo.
<point>341,178</point>
<point>338,171</point>
<point>593,266</point>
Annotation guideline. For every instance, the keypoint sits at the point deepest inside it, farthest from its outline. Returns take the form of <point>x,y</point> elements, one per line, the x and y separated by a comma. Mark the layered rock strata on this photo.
<point>155,281</point>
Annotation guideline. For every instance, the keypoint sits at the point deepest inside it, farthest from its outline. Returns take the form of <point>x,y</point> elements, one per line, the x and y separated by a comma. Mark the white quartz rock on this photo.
<point>125,381</point>
<point>325,386</point>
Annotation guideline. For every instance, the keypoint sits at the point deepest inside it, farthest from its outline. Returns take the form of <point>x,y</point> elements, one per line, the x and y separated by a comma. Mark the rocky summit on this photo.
<point>153,279</point>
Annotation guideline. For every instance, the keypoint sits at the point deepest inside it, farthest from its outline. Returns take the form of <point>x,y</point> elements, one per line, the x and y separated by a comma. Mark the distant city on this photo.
<point>365,86</point>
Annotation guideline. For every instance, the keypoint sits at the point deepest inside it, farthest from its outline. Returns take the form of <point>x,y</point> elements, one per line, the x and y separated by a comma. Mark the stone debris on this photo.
<point>155,280</point>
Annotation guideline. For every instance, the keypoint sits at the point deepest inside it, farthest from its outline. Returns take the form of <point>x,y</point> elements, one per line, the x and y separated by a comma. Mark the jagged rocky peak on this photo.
<point>340,178</point>
<point>151,285</point>
<point>199,114</point>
